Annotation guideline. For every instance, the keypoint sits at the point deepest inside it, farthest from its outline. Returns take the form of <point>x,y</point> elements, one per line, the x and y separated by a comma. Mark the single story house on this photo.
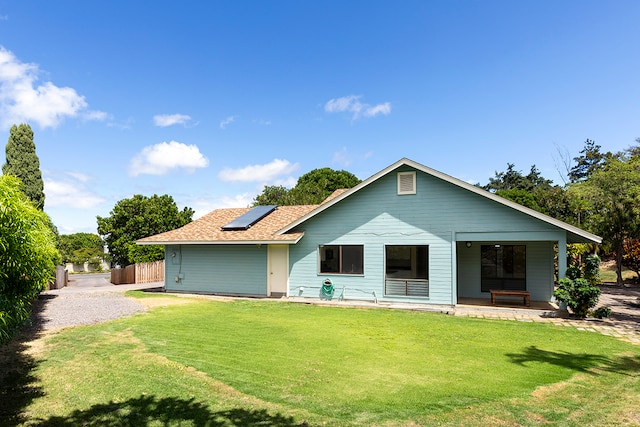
<point>406,234</point>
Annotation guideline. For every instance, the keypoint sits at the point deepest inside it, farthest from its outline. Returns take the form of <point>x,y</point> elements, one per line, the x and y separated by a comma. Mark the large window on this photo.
<point>342,259</point>
<point>407,270</point>
<point>504,267</point>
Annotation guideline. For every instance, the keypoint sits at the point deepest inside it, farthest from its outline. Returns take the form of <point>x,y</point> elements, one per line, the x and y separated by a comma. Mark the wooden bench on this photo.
<point>508,293</point>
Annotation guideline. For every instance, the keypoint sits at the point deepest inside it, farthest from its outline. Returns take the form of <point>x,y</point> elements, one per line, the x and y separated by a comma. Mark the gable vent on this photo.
<point>406,183</point>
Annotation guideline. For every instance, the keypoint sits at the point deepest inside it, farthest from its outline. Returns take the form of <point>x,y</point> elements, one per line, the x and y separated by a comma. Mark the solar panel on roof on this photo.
<point>243,222</point>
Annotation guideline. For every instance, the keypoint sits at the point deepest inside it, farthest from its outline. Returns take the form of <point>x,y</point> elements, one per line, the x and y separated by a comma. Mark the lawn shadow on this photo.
<point>146,410</point>
<point>18,385</point>
<point>583,362</point>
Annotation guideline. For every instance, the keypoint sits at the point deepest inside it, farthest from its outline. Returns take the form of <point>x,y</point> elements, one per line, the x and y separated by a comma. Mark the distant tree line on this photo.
<point>601,194</point>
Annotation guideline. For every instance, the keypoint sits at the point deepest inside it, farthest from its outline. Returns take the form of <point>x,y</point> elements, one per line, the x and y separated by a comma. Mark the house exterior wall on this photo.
<point>376,216</point>
<point>217,269</point>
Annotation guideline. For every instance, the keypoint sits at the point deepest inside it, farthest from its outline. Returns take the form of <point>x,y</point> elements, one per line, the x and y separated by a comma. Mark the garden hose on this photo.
<point>327,289</point>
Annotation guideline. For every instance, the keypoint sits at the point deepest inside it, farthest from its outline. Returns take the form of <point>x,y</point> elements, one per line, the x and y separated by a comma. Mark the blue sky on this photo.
<point>210,101</point>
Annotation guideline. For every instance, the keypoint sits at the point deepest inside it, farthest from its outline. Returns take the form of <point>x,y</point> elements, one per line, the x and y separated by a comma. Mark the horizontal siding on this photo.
<point>218,269</point>
<point>376,216</point>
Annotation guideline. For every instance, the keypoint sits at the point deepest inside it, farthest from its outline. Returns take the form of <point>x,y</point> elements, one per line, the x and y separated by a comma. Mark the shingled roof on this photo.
<point>207,230</point>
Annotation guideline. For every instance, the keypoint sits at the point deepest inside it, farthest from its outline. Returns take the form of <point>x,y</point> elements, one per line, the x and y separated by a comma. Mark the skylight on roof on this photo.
<point>245,221</point>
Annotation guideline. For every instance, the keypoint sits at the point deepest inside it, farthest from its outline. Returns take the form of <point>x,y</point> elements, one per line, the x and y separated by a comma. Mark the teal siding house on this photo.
<point>407,234</point>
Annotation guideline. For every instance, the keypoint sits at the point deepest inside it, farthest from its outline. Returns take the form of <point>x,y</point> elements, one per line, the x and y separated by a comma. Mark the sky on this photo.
<point>209,101</point>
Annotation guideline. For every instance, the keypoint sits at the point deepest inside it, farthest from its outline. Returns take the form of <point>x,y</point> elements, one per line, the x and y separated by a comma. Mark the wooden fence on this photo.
<point>138,273</point>
<point>150,272</point>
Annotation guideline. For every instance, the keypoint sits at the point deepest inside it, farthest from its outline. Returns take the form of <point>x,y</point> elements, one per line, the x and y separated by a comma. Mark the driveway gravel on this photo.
<point>87,299</point>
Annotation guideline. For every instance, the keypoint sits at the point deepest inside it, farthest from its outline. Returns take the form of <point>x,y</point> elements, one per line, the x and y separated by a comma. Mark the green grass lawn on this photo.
<point>272,363</point>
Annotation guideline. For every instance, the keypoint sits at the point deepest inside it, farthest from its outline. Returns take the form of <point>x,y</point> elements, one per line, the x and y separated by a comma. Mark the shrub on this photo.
<point>592,269</point>
<point>602,312</point>
<point>579,295</point>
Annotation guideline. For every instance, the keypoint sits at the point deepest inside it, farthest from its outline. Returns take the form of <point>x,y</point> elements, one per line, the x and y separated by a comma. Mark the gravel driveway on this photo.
<point>87,299</point>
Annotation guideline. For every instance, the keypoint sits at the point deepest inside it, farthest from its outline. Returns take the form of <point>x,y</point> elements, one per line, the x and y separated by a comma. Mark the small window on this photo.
<point>342,259</point>
<point>406,183</point>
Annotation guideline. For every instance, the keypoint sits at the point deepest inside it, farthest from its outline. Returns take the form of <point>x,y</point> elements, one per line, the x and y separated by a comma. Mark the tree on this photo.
<point>522,197</point>
<point>514,180</point>
<point>23,162</point>
<point>137,217</point>
<point>589,161</point>
<point>79,248</point>
<point>631,256</point>
<point>612,199</point>
<point>28,255</point>
<point>311,188</point>
<point>634,150</point>
<point>273,195</point>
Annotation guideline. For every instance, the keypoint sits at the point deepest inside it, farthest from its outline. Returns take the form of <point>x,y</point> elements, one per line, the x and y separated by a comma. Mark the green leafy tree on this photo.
<point>28,255</point>
<point>512,179</point>
<point>631,256</point>
<point>311,188</point>
<point>137,217</point>
<point>273,195</point>
<point>79,248</point>
<point>522,197</point>
<point>611,196</point>
<point>23,162</point>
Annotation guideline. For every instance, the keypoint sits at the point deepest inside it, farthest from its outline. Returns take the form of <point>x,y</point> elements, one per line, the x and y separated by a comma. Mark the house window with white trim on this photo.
<point>341,259</point>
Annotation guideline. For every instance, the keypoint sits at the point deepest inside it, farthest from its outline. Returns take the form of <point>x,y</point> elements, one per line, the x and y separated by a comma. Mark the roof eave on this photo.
<point>221,242</point>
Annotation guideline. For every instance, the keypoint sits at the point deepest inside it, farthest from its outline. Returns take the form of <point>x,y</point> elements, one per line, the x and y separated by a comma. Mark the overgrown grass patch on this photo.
<point>298,363</point>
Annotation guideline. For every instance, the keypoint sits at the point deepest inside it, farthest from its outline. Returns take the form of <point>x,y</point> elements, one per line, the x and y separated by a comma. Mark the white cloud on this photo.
<point>78,176</point>
<point>259,173</point>
<point>351,104</point>
<point>160,158</point>
<point>70,192</point>
<point>164,120</point>
<point>23,99</point>
<point>342,157</point>
<point>226,122</point>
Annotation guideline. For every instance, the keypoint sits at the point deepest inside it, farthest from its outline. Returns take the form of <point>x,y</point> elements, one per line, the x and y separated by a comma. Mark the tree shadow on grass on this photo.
<point>18,385</point>
<point>579,362</point>
<point>147,410</point>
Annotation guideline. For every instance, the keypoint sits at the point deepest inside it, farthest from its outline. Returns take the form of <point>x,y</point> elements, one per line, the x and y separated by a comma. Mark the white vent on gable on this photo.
<point>406,183</point>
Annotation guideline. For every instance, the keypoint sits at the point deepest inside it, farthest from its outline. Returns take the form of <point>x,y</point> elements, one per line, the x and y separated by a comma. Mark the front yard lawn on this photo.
<point>272,363</point>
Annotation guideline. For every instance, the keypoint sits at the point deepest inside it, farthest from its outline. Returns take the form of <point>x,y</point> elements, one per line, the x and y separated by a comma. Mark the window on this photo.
<point>504,267</point>
<point>407,270</point>
<point>342,259</point>
<point>406,183</point>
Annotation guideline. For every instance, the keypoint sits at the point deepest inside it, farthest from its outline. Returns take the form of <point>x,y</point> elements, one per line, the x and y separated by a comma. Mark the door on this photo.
<point>278,270</point>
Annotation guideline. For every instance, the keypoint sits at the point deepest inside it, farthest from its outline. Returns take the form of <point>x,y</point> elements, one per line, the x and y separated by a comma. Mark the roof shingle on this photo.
<point>207,229</point>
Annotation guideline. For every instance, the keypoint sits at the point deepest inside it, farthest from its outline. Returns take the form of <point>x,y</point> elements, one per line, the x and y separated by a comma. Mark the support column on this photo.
<point>562,256</point>
<point>454,269</point>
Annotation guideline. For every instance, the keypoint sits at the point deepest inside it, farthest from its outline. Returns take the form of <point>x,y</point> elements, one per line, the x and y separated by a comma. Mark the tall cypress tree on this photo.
<point>23,162</point>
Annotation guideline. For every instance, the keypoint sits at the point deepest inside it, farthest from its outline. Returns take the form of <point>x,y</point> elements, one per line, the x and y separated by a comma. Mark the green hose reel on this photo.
<point>327,289</point>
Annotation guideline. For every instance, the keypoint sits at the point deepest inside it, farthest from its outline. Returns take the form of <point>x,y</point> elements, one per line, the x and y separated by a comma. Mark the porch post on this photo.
<point>562,256</point>
<point>454,269</point>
